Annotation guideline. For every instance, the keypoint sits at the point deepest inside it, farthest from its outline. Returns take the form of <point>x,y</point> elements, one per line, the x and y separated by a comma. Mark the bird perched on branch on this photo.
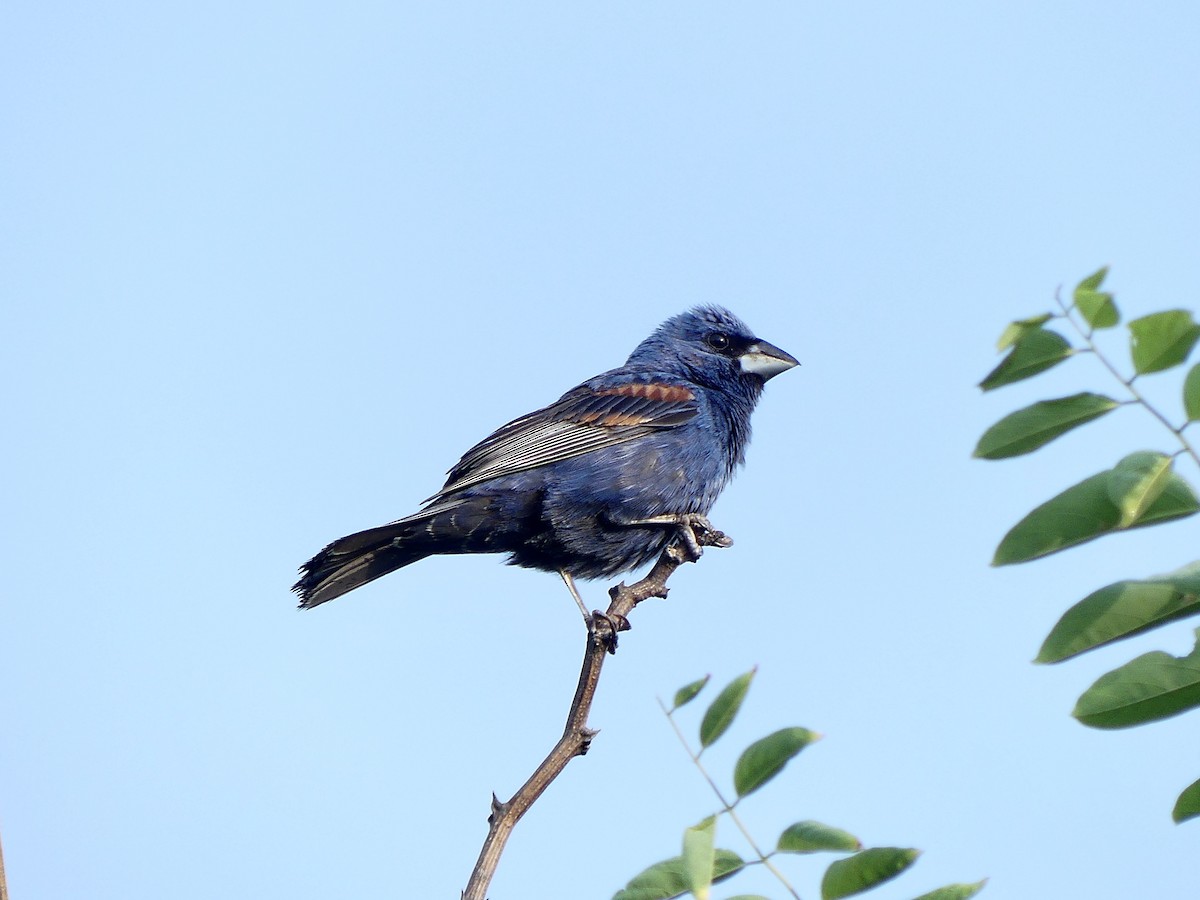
<point>598,482</point>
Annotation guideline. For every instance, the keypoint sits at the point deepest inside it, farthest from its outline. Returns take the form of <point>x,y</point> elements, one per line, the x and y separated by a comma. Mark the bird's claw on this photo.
<point>690,540</point>
<point>693,532</point>
<point>696,533</point>
<point>605,627</point>
<point>716,538</point>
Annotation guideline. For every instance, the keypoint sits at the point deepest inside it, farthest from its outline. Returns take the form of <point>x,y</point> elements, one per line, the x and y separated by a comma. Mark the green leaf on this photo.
<point>864,870</point>
<point>1080,513</point>
<point>1177,501</point>
<point>1093,281</point>
<point>725,864</point>
<point>1162,340</point>
<point>1136,482</point>
<point>1188,804</point>
<point>1153,686</point>
<point>1096,307</point>
<point>1035,426</point>
<point>1016,329</point>
<point>955,891</point>
<point>810,837</point>
<point>688,692</point>
<point>665,880</point>
<point>698,857</point>
<point>1122,610</point>
<point>1191,393</point>
<point>1034,351</point>
<point>719,715</point>
<point>660,881</point>
<point>1084,512</point>
<point>765,758</point>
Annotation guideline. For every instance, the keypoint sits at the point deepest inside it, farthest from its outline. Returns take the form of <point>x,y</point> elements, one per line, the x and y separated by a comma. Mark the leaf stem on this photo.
<point>1137,395</point>
<point>763,858</point>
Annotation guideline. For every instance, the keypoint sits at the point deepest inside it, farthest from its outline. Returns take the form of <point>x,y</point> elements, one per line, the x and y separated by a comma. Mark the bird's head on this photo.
<point>716,347</point>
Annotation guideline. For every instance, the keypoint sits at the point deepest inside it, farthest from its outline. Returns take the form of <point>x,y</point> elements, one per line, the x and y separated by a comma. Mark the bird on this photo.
<point>599,482</point>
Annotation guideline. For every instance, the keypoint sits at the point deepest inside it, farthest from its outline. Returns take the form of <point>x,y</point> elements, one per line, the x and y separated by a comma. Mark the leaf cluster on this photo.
<point>702,864</point>
<point>1141,489</point>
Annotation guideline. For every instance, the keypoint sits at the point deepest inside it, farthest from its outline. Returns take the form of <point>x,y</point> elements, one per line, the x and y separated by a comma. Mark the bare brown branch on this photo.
<point>3,880</point>
<point>577,737</point>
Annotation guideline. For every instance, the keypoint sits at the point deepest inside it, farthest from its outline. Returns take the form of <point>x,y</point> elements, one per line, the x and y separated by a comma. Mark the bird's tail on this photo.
<point>352,561</point>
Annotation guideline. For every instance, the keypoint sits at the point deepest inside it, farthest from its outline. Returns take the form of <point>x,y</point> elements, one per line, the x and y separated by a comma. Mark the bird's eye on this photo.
<point>717,340</point>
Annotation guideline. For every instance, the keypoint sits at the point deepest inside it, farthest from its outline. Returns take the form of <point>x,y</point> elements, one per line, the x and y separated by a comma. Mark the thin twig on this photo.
<point>1137,395</point>
<point>3,880</point>
<point>764,858</point>
<point>577,737</point>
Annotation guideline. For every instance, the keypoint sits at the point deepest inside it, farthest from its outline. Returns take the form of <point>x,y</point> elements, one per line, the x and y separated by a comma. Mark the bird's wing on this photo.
<point>585,419</point>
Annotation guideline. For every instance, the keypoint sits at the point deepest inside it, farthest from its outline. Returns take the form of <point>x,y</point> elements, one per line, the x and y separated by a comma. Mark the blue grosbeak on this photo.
<point>596,483</point>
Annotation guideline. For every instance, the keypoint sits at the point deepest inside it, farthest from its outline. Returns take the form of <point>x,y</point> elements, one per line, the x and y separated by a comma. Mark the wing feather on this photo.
<point>582,421</point>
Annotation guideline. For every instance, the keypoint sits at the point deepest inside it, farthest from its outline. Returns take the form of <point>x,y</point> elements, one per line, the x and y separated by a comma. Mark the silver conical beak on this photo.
<point>766,360</point>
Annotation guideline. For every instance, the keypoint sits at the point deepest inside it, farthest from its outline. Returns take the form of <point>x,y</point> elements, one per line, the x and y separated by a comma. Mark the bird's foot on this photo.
<point>604,627</point>
<point>706,535</point>
<point>694,533</point>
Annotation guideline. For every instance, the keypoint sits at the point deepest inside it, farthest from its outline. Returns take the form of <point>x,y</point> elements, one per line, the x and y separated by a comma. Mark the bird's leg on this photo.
<point>694,530</point>
<point>589,618</point>
<point>570,583</point>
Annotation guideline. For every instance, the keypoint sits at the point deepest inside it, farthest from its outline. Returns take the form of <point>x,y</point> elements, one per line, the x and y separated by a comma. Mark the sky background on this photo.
<point>268,269</point>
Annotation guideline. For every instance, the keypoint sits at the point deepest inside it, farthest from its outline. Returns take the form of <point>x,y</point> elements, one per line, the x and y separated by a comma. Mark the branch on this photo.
<point>726,806</point>
<point>577,737</point>
<point>1137,395</point>
<point>3,880</point>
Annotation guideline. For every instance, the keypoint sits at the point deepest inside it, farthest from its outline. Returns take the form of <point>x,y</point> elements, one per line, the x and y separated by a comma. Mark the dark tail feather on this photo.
<point>463,525</point>
<point>354,560</point>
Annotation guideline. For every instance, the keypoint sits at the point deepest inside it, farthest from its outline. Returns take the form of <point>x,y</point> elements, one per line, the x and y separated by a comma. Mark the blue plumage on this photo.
<point>598,482</point>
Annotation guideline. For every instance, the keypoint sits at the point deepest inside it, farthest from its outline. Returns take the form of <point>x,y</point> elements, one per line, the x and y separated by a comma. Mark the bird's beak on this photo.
<point>766,360</point>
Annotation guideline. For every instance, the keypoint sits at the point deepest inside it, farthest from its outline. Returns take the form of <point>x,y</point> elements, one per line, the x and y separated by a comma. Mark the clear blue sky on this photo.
<point>270,268</point>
